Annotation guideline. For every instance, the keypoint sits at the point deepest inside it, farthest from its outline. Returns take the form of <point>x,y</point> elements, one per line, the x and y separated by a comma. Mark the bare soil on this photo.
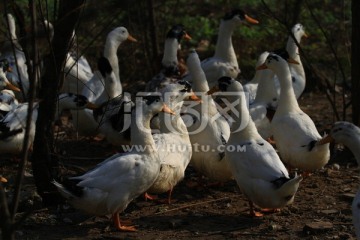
<point>321,209</point>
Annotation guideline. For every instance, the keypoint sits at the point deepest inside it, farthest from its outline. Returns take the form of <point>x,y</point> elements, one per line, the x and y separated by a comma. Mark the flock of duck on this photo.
<point>181,109</point>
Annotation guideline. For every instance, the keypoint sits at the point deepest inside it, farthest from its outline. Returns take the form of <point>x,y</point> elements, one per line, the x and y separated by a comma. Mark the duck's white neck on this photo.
<point>266,87</point>
<point>243,127</point>
<point>110,52</point>
<point>287,99</point>
<point>172,123</point>
<point>170,52</point>
<point>113,86</point>
<point>141,131</point>
<point>292,48</point>
<point>224,47</point>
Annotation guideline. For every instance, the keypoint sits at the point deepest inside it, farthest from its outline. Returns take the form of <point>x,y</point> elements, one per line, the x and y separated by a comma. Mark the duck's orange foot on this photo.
<point>270,210</point>
<point>149,197</point>
<point>123,228</point>
<point>255,213</point>
<point>4,180</point>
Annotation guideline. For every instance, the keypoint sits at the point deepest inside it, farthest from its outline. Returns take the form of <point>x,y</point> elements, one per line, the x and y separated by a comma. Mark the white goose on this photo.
<point>349,135</point>
<point>114,183</point>
<point>208,130</point>
<point>257,168</point>
<point>172,141</point>
<point>170,70</point>
<point>294,132</point>
<point>224,61</point>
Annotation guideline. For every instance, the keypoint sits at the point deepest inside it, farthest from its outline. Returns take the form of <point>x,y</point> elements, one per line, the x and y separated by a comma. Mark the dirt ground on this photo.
<point>321,209</point>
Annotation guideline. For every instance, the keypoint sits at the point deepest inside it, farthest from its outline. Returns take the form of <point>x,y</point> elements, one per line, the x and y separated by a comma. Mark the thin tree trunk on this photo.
<point>355,62</point>
<point>44,164</point>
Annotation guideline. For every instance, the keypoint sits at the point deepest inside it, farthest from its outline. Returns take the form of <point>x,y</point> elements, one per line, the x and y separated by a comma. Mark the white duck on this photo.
<point>297,70</point>
<point>19,75</point>
<point>12,126</point>
<point>172,141</point>
<point>114,183</point>
<point>101,87</point>
<point>257,168</point>
<point>77,70</point>
<point>264,105</point>
<point>224,61</point>
<point>349,135</point>
<point>169,72</point>
<point>208,129</point>
<point>8,102</point>
<point>294,132</point>
<point>252,86</point>
<point>114,116</point>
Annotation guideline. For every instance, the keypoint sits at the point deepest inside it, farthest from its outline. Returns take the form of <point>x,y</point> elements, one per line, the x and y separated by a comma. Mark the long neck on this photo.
<point>292,48</point>
<point>224,47</point>
<point>113,86</point>
<point>243,127</point>
<point>110,52</point>
<point>293,51</point>
<point>199,83</point>
<point>266,87</point>
<point>170,52</point>
<point>287,100</point>
<point>140,130</point>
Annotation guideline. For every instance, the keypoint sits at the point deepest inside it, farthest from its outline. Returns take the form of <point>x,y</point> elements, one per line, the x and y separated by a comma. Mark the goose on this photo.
<point>224,61</point>
<point>169,72</point>
<point>294,132</point>
<point>256,166</point>
<point>16,58</point>
<point>207,128</point>
<point>12,126</point>
<point>99,88</point>
<point>349,135</point>
<point>114,183</point>
<point>8,102</point>
<point>172,141</point>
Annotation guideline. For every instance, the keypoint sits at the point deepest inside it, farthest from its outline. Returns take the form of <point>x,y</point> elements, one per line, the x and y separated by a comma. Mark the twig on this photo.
<point>192,205</point>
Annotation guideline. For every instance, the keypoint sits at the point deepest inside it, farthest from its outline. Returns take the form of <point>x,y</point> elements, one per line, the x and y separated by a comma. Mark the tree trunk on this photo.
<point>44,164</point>
<point>355,62</point>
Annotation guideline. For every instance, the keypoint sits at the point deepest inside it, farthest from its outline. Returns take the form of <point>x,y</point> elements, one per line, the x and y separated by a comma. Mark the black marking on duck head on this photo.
<point>311,145</point>
<point>187,85</point>
<point>104,66</point>
<point>224,83</point>
<point>151,99</point>
<point>234,13</point>
<point>177,31</point>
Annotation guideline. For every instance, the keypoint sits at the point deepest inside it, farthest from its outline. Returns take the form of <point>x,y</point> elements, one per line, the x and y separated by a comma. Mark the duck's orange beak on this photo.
<point>251,20</point>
